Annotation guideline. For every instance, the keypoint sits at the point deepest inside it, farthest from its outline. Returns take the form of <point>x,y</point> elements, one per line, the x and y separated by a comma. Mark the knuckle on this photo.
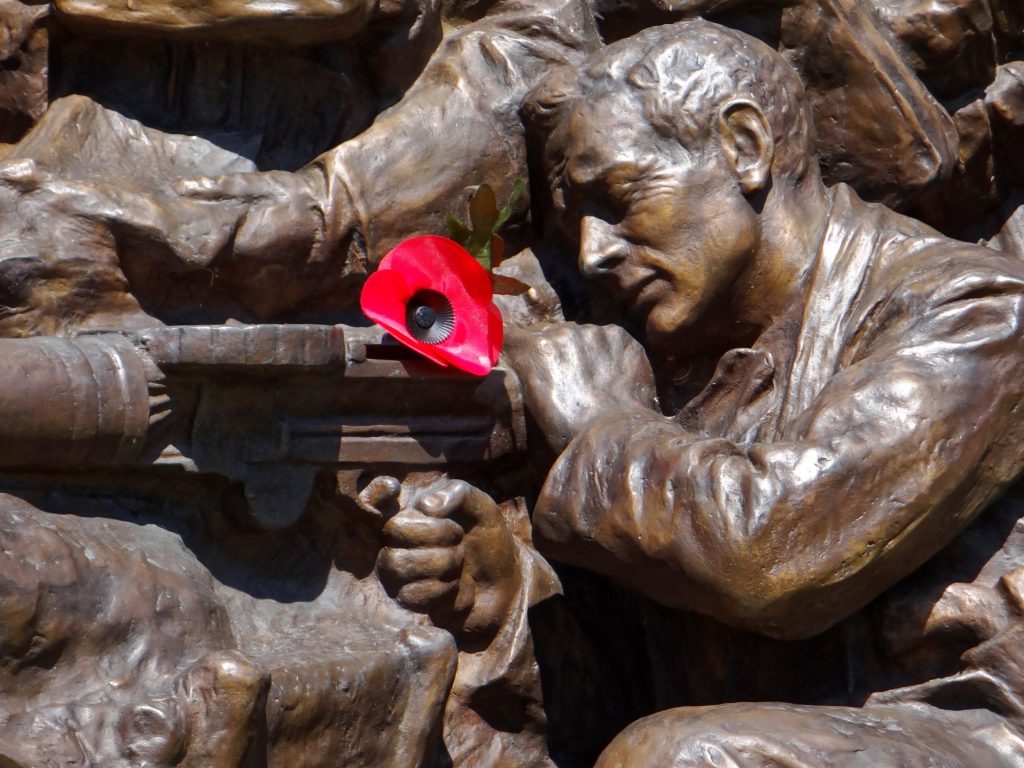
<point>403,531</point>
<point>457,488</point>
<point>449,563</point>
<point>390,560</point>
<point>421,530</point>
<point>416,565</point>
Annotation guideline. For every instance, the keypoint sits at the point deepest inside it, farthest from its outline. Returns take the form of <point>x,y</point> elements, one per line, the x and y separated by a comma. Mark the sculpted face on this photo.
<point>666,229</point>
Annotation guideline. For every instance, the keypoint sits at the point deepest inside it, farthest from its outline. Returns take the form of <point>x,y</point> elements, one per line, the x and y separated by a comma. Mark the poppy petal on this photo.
<point>495,333</point>
<point>470,351</point>
<point>431,261</point>
<point>384,296</point>
<point>383,299</point>
<point>430,264</point>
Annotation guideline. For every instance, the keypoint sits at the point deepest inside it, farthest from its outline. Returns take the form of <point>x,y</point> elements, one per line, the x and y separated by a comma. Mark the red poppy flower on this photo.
<point>432,296</point>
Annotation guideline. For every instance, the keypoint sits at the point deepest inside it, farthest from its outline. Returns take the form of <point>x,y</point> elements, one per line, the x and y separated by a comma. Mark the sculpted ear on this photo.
<point>747,142</point>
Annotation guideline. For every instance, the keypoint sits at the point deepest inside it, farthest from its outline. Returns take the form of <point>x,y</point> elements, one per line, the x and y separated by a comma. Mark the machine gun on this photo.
<point>269,406</point>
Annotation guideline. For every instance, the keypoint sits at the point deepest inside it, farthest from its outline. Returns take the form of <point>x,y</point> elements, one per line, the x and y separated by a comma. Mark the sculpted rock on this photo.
<point>120,646</point>
<point>24,48</point>
<point>878,127</point>
<point>305,22</point>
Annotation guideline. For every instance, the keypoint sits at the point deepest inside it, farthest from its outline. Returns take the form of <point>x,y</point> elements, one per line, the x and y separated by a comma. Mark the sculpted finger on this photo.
<point>445,500</point>
<point>424,595</point>
<point>464,503</point>
<point>407,565</point>
<point>275,231</point>
<point>377,497</point>
<point>519,341</point>
<point>202,188</point>
<point>232,185</point>
<point>523,346</point>
<point>416,530</point>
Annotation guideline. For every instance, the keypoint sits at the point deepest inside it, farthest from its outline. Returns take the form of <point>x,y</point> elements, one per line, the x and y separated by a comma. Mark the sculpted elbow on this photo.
<point>783,606</point>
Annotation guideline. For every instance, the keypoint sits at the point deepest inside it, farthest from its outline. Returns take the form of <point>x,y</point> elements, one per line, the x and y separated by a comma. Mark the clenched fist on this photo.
<point>449,553</point>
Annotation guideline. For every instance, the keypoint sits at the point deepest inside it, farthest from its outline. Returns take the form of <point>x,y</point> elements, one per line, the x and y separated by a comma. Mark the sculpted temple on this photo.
<point>511,383</point>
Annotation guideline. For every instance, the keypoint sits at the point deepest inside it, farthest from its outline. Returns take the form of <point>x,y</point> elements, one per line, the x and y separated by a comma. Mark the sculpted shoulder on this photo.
<point>901,273</point>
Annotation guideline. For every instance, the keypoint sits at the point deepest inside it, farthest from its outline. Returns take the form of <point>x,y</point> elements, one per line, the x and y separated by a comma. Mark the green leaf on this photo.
<point>481,239</point>
<point>483,210</point>
<point>507,286</point>
<point>482,253</point>
<point>458,231</point>
<point>506,212</point>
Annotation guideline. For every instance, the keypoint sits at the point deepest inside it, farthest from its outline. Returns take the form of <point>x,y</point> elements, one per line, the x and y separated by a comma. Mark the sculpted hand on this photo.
<point>270,237</point>
<point>448,553</point>
<point>277,214</point>
<point>572,374</point>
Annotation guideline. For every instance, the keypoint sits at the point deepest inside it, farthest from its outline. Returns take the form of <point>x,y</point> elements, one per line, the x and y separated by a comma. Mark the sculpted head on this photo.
<point>661,155</point>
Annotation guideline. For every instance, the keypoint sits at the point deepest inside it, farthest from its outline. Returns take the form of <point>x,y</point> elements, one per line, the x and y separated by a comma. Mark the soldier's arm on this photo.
<point>899,452</point>
<point>457,126</point>
<point>295,235</point>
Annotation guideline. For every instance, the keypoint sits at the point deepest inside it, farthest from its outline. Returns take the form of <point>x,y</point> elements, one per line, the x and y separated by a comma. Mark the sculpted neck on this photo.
<point>792,226</point>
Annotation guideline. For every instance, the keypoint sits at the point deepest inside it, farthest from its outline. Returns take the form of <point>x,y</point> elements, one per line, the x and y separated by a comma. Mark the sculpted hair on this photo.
<point>681,74</point>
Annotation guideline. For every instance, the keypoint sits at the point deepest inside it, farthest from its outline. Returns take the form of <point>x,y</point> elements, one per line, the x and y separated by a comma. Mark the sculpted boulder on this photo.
<point>121,647</point>
<point>292,20</point>
<point>24,51</point>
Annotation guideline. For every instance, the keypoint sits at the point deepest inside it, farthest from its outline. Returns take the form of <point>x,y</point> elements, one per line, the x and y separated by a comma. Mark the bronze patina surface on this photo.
<point>742,490</point>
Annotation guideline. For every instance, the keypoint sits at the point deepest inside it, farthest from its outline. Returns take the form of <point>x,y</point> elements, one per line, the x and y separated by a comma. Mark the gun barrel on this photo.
<point>68,403</point>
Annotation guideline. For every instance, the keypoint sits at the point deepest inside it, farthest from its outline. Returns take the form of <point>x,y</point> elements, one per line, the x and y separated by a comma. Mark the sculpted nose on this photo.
<point>601,250</point>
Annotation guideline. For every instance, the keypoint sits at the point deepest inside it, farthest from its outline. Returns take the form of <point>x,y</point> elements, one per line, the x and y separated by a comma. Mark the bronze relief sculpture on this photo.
<point>739,492</point>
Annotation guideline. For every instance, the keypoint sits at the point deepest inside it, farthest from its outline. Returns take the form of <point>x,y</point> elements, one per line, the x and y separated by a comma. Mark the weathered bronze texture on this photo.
<point>742,489</point>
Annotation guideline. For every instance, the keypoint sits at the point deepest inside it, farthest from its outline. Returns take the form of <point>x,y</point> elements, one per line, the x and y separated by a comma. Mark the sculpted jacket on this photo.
<point>857,437</point>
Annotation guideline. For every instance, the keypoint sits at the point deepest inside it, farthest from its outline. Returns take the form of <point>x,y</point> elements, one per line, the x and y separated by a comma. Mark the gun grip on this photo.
<point>277,494</point>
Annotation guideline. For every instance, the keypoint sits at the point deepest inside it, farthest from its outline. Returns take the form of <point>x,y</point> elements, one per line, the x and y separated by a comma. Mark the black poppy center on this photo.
<point>429,317</point>
<point>424,316</point>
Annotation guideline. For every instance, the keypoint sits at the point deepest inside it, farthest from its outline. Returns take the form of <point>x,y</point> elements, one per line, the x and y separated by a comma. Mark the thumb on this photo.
<point>460,501</point>
<point>379,497</point>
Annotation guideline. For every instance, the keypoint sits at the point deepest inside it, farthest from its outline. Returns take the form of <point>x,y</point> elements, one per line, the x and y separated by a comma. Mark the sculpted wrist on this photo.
<point>343,216</point>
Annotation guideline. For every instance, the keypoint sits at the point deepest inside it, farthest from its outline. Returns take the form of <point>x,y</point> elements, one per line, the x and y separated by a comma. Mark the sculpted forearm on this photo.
<point>784,538</point>
<point>412,167</point>
<point>457,126</point>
